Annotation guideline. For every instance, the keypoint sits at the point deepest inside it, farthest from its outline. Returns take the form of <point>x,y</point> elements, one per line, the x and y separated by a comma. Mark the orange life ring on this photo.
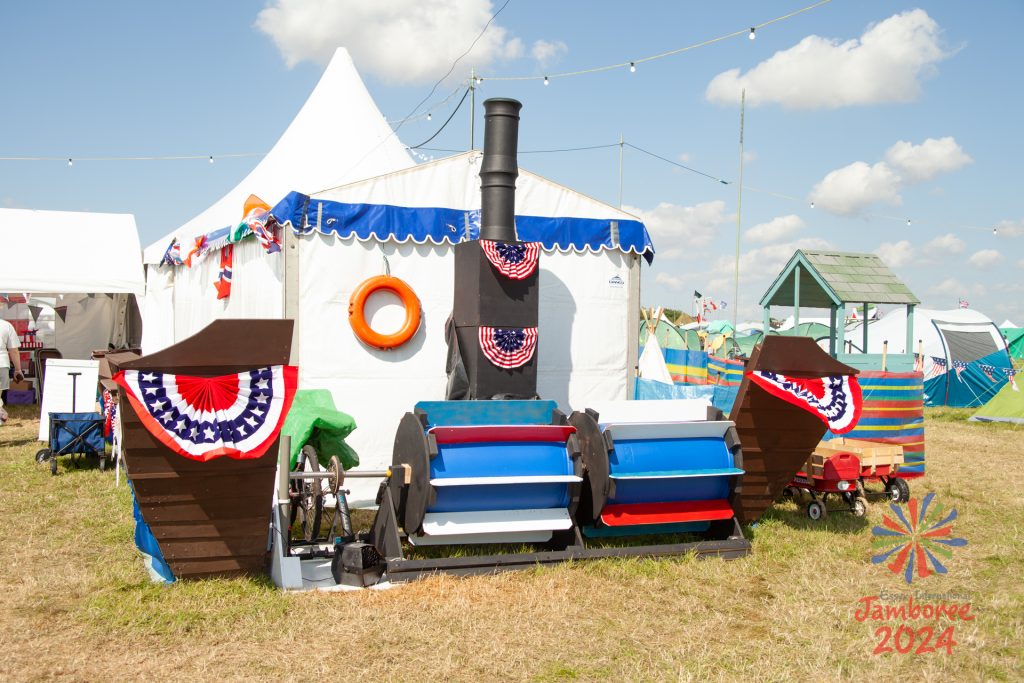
<point>357,315</point>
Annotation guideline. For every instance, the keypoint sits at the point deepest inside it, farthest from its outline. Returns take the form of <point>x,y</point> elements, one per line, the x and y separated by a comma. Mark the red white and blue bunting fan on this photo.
<point>203,418</point>
<point>508,347</point>
<point>515,260</point>
<point>836,399</point>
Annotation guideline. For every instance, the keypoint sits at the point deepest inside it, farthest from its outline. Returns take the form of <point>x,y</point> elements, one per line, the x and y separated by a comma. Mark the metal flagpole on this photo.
<point>622,143</point>
<point>739,208</point>
<point>472,109</point>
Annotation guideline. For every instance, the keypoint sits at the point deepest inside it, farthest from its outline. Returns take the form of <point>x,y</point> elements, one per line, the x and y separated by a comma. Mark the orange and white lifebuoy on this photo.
<point>357,313</point>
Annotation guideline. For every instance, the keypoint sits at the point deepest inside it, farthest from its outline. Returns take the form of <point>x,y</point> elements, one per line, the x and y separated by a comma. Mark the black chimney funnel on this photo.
<point>499,169</point>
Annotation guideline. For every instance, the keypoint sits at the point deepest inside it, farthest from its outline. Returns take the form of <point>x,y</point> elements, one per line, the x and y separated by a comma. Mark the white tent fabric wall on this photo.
<point>581,351</point>
<point>893,327</point>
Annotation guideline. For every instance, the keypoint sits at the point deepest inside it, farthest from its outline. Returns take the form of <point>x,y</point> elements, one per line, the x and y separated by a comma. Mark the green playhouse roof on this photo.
<point>835,278</point>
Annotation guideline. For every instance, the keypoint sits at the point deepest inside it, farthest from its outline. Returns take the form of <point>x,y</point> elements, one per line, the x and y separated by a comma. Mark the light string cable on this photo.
<point>633,62</point>
<point>429,95</point>
<point>445,124</point>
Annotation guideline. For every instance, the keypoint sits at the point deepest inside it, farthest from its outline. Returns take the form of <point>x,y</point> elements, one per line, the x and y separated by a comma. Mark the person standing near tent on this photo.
<point>10,355</point>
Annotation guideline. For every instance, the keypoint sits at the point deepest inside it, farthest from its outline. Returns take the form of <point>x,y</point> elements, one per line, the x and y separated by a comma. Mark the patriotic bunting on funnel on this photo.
<point>514,261</point>
<point>836,400</point>
<point>203,418</point>
<point>508,347</point>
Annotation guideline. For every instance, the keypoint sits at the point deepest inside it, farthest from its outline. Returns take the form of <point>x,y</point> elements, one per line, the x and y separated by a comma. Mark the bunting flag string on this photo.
<point>989,370</point>
<point>202,418</point>
<point>959,366</point>
<point>223,281</point>
<point>836,400</point>
<point>516,261</point>
<point>508,347</point>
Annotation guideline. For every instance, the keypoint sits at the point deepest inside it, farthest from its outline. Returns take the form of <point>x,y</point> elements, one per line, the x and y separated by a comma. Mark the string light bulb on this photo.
<point>812,205</point>
<point>479,80</point>
<point>429,116</point>
<point>753,33</point>
<point>211,158</point>
<point>994,231</point>
<point>545,80</point>
<point>908,222</point>
<point>70,162</point>
<point>632,67</point>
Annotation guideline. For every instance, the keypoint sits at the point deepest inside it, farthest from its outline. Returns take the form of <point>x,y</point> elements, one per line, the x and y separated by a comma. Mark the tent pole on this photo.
<point>622,143</point>
<point>832,332</point>
<point>796,297</point>
<point>865,350</point>
<point>910,328</point>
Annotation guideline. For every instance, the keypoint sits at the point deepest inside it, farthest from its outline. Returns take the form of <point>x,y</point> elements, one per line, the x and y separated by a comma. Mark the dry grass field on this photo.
<point>75,603</point>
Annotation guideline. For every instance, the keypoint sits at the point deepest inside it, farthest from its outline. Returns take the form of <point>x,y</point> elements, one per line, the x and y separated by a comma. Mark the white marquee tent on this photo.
<point>63,258</point>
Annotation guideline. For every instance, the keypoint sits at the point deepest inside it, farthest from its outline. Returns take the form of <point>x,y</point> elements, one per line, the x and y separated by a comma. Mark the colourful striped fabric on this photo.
<point>723,371</point>
<point>893,413</point>
<point>687,366</point>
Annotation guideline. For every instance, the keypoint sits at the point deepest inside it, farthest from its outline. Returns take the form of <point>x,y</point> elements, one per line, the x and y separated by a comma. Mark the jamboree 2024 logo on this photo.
<point>917,541</point>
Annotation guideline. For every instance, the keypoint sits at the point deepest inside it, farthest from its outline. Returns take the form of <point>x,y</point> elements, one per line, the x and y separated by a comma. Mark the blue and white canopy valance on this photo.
<point>383,222</point>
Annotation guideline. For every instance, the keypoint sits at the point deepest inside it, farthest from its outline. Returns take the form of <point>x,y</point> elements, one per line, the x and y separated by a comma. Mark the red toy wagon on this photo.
<point>841,467</point>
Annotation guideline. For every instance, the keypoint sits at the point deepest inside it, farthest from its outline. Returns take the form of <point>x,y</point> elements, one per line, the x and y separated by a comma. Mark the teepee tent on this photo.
<point>1014,340</point>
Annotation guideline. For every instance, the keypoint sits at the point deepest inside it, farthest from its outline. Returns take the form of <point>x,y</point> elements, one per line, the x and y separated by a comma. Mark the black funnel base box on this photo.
<point>485,297</point>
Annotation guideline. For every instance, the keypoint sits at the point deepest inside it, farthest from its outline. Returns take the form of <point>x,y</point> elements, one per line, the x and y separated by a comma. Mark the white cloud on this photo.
<point>985,258</point>
<point>917,163</point>
<point>548,52</point>
<point>685,157</point>
<point>944,244</point>
<point>780,228</point>
<point>401,41</point>
<point>676,229</point>
<point>896,254</point>
<point>953,287</point>
<point>759,266</point>
<point>886,64</point>
<point>1010,228</point>
<point>670,281</point>
<point>851,189</point>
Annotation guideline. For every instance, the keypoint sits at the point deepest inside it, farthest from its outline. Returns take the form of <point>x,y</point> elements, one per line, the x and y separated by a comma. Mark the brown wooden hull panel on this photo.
<point>209,518</point>
<point>777,437</point>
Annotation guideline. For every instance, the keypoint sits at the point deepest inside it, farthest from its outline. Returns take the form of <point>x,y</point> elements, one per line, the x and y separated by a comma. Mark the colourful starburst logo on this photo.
<point>916,539</point>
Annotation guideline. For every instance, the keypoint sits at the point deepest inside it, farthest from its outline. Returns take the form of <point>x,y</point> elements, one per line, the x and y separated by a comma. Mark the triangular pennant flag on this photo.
<point>62,312</point>
<point>34,311</point>
<point>223,281</point>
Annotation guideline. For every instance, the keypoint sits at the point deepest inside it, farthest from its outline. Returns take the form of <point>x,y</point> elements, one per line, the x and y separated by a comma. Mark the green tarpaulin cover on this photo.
<point>314,420</point>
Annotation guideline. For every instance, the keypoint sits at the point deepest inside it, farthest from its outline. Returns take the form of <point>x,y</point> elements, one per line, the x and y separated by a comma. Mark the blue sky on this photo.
<point>878,112</point>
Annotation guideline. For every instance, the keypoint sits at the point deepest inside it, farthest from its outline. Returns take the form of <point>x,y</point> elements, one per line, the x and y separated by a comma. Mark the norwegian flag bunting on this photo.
<point>508,347</point>
<point>516,261</point>
<point>836,400</point>
<point>223,282</point>
<point>203,418</point>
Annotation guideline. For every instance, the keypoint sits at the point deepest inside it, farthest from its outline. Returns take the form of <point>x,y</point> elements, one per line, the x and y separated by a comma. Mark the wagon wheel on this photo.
<point>789,492</point>
<point>898,490</point>
<point>859,507</point>
<point>103,463</point>
<point>42,455</point>
<point>53,465</point>
<point>307,496</point>
<point>903,487</point>
<point>816,510</point>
